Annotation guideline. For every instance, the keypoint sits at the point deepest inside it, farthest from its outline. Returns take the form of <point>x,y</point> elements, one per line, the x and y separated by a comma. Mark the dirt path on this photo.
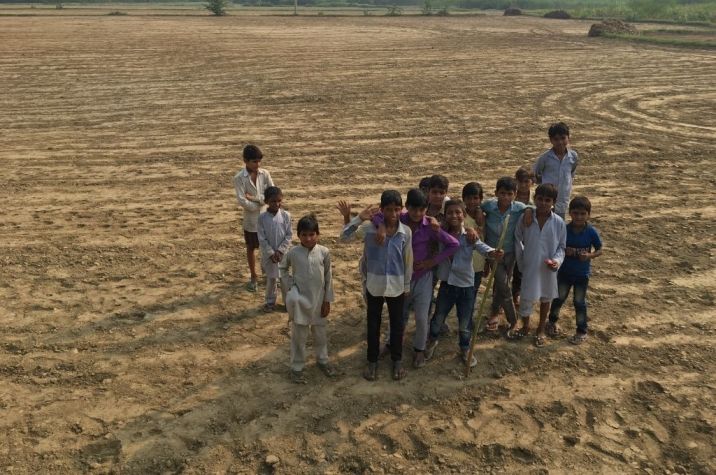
<point>128,345</point>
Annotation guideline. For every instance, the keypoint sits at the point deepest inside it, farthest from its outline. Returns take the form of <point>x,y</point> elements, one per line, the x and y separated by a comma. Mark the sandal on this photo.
<point>553,330</point>
<point>328,370</point>
<point>371,372</point>
<point>297,377</point>
<point>516,334</point>
<point>398,371</point>
<point>578,338</point>
<point>540,341</point>
<point>268,308</point>
<point>493,324</point>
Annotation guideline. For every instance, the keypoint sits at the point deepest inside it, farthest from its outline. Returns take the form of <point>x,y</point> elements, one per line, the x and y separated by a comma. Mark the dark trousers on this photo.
<point>564,284</point>
<point>397,326</point>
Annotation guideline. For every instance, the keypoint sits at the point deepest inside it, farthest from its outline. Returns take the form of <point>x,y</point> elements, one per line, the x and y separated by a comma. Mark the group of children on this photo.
<point>409,247</point>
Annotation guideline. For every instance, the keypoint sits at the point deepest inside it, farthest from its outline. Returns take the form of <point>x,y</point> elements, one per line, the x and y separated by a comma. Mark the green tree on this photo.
<point>217,7</point>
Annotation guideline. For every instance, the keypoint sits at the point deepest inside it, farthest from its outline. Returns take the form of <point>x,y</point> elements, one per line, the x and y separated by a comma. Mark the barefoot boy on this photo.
<point>539,251</point>
<point>309,292</point>
<point>250,184</point>
<point>583,245</point>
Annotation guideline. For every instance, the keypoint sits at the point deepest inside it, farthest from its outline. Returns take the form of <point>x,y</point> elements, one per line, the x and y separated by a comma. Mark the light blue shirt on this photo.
<point>459,271</point>
<point>560,173</point>
<point>494,219</point>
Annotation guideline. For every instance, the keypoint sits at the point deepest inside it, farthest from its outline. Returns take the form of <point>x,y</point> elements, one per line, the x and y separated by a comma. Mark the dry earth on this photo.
<point>129,345</point>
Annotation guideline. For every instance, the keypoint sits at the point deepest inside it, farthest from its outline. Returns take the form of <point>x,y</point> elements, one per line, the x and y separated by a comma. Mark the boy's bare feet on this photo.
<point>251,285</point>
<point>371,372</point>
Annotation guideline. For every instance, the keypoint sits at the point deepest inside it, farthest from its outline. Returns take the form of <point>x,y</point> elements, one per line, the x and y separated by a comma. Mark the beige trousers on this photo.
<point>299,336</point>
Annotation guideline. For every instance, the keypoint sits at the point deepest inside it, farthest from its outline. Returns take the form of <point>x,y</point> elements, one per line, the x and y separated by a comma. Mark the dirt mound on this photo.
<point>512,11</point>
<point>558,14</point>
<point>611,26</point>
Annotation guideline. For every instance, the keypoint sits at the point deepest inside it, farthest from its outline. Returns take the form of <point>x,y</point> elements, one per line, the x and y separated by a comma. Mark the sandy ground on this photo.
<point>128,344</point>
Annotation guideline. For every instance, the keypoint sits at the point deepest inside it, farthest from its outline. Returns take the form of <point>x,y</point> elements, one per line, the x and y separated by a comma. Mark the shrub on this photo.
<point>394,10</point>
<point>217,7</point>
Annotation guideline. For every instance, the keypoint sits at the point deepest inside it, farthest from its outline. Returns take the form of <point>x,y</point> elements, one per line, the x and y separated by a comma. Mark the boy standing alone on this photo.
<point>558,166</point>
<point>251,183</point>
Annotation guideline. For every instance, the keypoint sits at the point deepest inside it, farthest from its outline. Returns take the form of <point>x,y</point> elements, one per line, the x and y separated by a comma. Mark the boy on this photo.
<point>583,245</point>
<point>457,286</point>
<point>495,211</point>
<point>425,240</point>
<point>437,197</point>
<point>309,293</point>
<point>525,180</point>
<point>274,231</point>
<point>251,184</point>
<point>539,251</point>
<point>558,166</point>
<point>389,269</point>
<point>472,195</point>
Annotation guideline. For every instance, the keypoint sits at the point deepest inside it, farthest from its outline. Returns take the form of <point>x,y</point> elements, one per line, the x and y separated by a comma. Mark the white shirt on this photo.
<point>274,235</point>
<point>309,270</point>
<point>252,209</point>
<point>532,246</point>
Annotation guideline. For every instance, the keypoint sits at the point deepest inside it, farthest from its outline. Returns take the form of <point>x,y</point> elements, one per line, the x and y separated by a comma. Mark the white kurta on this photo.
<point>532,246</point>
<point>274,235</point>
<point>310,272</point>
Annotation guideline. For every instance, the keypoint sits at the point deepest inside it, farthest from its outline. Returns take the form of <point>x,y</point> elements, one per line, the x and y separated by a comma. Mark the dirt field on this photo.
<point>129,345</point>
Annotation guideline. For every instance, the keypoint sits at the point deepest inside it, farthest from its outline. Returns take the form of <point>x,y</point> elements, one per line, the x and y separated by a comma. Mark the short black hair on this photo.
<point>390,197</point>
<point>472,189</point>
<point>558,128</point>
<point>272,191</point>
<point>252,153</point>
<point>506,183</point>
<point>581,202</point>
<point>438,181</point>
<point>424,183</point>
<point>548,190</point>
<point>524,173</point>
<point>416,199</point>
<point>308,223</point>
<point>450,203</point>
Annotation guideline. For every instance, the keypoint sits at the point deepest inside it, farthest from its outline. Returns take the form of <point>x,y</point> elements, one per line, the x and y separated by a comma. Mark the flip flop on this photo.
<point>371,372</point>
<point>540,341</point>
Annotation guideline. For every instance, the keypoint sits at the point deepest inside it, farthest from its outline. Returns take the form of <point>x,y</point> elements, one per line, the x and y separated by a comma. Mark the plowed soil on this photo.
<point>127,342</point>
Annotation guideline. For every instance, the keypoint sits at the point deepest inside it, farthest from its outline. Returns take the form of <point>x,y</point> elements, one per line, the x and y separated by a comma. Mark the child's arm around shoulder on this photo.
<point>408,259</point>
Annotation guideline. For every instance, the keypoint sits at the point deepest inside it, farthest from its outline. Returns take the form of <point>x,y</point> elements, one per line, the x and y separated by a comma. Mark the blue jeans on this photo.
<point>564,284</point>
<point>450,296</point>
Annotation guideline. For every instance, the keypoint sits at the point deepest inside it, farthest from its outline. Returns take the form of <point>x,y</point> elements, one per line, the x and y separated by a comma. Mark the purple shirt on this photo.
<point>423,239</point>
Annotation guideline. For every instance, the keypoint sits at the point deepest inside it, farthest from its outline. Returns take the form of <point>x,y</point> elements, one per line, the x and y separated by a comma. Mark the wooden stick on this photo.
<point>490,279</point>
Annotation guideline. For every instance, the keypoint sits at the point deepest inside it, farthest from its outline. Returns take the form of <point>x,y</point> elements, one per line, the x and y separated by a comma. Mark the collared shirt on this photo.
<point>252,209</point>
<point>550,169</point>
<point>494,219</point>
<point>389,267</point>
<point>426,242</point>
<point>459,270</point>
